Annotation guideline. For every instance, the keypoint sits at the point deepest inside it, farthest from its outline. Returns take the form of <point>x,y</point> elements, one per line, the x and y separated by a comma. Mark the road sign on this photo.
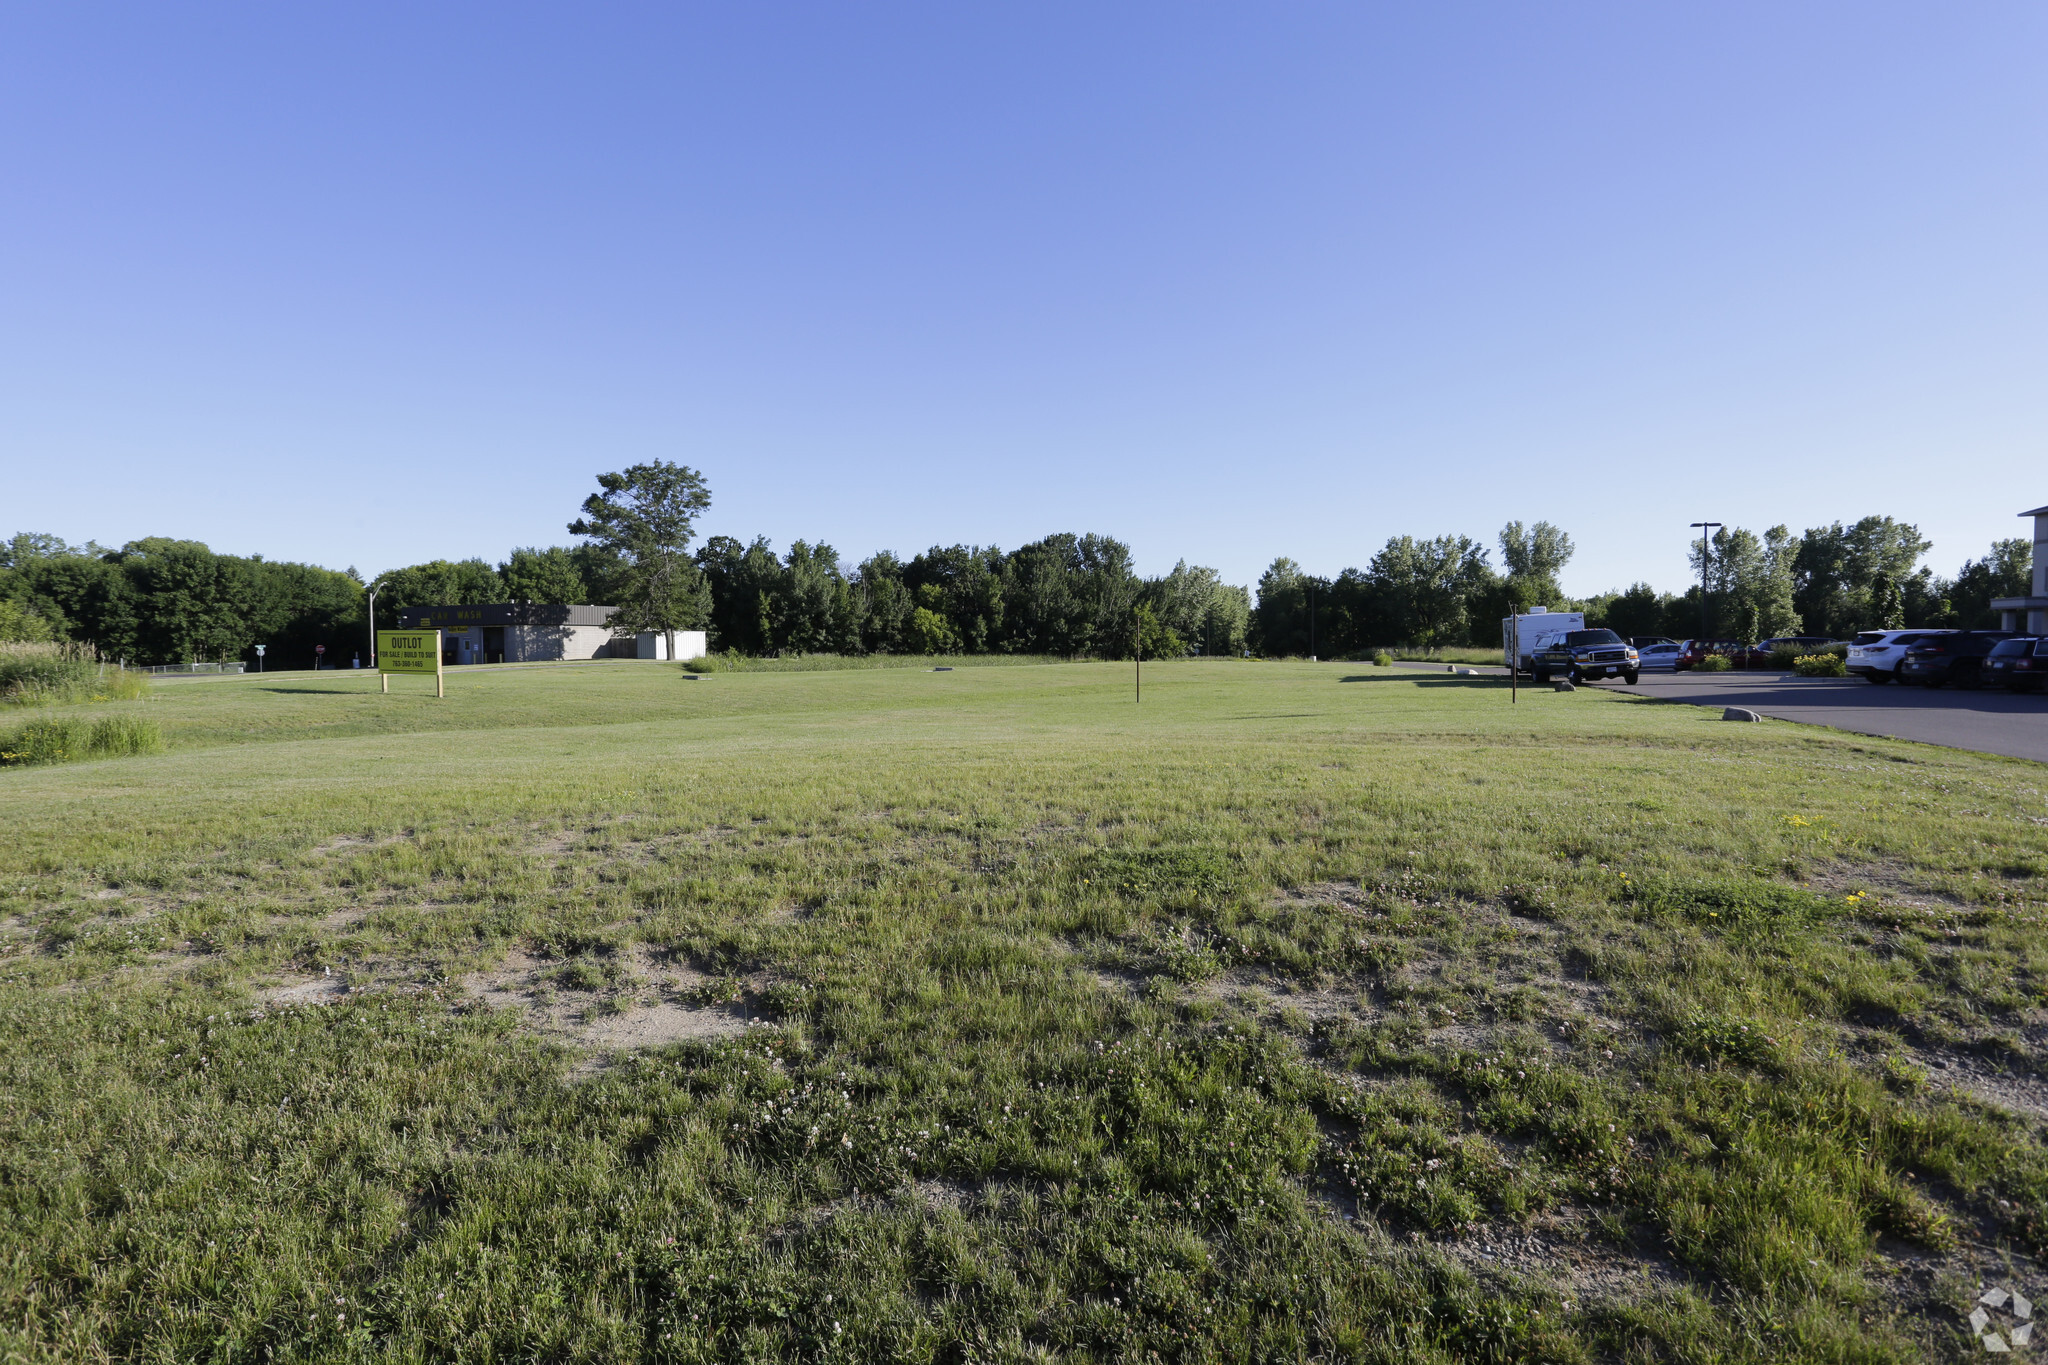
<point>409,651</point>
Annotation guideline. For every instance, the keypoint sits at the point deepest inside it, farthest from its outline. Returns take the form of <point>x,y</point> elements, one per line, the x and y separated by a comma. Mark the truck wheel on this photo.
<point>1630,677</point>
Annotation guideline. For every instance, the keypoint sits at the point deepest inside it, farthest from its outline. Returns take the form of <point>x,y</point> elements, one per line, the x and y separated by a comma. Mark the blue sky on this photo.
<point>367,284</point>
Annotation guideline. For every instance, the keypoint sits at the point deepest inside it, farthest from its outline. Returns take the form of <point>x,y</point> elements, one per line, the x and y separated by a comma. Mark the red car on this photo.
<point>1739,655</point>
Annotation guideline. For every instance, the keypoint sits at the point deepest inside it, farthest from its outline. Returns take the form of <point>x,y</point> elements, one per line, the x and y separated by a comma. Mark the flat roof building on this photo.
<point>2034,606</point>
<point>516,632</point>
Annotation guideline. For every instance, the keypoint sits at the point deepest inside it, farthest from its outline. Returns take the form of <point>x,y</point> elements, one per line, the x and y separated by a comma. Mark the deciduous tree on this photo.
<point>646,516</point>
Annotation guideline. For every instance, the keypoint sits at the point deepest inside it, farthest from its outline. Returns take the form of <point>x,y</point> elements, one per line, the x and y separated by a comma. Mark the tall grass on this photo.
<point>72,740</point>
<point>38,674</point>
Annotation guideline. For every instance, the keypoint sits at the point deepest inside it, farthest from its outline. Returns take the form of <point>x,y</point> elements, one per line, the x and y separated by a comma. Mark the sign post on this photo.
<point>259,657</point>
<point>409,651</point>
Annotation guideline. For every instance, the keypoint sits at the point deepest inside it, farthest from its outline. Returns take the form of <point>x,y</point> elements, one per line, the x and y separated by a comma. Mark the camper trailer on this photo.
<point>1519,634</point>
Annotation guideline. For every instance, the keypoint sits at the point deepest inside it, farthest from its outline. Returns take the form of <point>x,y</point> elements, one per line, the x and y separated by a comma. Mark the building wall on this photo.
<point>540,644</point>
<point>690,644</point>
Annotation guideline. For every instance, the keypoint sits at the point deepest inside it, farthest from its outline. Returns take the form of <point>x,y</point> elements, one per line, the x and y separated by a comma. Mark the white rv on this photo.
<point>1519,635</point>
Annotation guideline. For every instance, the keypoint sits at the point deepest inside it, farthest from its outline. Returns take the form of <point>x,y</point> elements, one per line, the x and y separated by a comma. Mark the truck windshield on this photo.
<point>1591,637</point>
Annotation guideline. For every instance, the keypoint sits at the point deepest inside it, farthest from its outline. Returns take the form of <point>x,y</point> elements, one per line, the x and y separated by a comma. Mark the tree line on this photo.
<point>160,600</point>
<point>1832,581</point>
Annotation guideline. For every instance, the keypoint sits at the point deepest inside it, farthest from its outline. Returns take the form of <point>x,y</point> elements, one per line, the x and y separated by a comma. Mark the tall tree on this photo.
<point>1749,582</point>
<point>1836,568</point>
<point>2005,572</point>
<point>437,583</point>
<point>551,576</point>
<point>647,515</point>
<point>1534,557</point>
<point>745,582</point>
<point>885,603</point>
<point>1426,586</point>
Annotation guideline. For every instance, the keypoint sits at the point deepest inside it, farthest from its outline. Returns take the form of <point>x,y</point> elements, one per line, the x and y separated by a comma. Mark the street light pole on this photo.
<point>373,621</point>
<point>1704,527</point>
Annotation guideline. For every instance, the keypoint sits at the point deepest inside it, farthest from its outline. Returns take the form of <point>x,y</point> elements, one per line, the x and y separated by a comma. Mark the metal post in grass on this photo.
<point>259,657</point>
<point>373,621</point>
<point>1705,548</point>
<point>1138,657</point>
<point>1515,659</point>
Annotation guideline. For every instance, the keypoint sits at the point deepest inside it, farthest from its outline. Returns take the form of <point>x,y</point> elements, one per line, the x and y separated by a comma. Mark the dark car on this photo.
<point>1582,655</point>
<point>1955,658</point>
<point>2020,663</point>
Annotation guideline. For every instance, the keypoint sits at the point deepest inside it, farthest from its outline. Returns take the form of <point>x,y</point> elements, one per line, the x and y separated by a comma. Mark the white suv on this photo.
<point>1875,654</point>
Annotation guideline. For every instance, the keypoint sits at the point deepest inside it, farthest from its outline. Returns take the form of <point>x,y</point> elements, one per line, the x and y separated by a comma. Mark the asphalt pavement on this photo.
<point>2011,723</point>
<point>2014,724</point>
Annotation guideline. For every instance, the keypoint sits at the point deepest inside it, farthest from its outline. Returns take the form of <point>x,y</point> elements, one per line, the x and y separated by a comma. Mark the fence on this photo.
<point>159,669</point>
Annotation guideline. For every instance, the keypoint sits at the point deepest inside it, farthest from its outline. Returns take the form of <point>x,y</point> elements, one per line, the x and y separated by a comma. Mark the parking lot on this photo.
<point>2013,724</point>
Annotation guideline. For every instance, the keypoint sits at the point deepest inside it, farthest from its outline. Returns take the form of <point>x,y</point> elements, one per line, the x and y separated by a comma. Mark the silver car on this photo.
<point>1659,658</point>
<point>1875,654</point>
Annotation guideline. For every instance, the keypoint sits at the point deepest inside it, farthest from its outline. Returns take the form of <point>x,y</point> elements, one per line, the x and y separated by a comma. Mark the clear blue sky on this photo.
<point>367,284</point>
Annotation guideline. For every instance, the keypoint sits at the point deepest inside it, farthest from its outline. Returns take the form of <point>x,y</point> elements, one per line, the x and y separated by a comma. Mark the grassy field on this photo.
<point>1304,1012</point>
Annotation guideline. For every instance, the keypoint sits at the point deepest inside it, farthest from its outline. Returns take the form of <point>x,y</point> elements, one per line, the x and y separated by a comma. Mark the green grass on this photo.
<point>735,662</point>
<point>1221,1027</point>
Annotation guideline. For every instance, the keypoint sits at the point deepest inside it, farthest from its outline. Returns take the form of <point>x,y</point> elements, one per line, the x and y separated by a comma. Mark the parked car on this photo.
<point>2020,663</point>
<point>1582,655</point>
<point>1875,654</point>
<point>1642,642</point>
<point>1658,658</point>
<point>1696,650</point>
<point>1956,657</point>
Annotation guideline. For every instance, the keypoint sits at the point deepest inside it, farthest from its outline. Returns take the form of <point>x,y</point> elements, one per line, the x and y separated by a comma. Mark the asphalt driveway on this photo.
<point>2013,724</point>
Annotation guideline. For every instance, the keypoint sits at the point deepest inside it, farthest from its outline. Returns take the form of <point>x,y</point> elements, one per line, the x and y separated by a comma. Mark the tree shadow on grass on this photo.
<point>317,691</point>
<point>1445,681</point>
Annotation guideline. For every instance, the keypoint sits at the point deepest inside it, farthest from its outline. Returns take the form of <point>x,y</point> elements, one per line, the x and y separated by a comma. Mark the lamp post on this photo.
<point>373,621</point>
<point>1705,546</point>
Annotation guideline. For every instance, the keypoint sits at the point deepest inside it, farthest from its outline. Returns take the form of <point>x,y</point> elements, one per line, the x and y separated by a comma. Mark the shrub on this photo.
<point>1714,663</point>
<point>1382,660</point>
<point>1820,666</point>
<point>1784,659</point>
<point>72,740</point>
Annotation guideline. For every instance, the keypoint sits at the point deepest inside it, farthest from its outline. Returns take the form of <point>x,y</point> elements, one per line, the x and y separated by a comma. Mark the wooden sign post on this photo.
<point>409,651</point>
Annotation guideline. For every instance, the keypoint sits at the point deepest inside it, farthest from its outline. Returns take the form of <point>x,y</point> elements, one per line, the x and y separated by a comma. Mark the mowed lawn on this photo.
<point>1302,1012</point>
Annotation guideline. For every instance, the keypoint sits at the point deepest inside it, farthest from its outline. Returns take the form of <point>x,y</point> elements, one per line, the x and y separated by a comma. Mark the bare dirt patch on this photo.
<point>1563,1248</point>
<point>320,990</point>
<point>1894,879</point>
<point>648,1000</point>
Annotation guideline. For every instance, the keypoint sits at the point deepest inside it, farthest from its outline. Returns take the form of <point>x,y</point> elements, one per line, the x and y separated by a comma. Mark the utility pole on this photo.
<point>1138,656</point>
<point>1705,547</point>
<point>373,621</point>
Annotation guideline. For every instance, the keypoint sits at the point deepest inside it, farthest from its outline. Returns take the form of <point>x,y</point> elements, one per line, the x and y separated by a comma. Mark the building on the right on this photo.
<point>2034,606</point>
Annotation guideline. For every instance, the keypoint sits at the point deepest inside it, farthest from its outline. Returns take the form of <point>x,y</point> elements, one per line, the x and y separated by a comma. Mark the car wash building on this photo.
<point>518,632</point>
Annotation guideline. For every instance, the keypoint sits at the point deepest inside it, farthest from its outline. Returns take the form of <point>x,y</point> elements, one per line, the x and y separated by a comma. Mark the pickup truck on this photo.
<point>1583,655</point>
